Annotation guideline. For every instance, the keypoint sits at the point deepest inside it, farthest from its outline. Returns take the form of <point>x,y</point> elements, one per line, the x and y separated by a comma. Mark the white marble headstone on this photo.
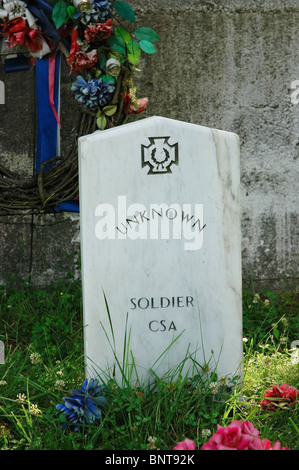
<point>161,244</point>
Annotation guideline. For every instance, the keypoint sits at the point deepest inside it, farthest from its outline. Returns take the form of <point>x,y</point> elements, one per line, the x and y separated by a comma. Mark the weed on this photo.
<point>44,359</point>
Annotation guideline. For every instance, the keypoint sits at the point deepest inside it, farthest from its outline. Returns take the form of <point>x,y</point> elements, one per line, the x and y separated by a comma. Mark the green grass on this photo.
<point>43,336</point>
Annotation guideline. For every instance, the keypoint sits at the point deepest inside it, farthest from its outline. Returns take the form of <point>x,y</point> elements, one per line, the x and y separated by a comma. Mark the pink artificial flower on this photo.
<point>248,428</point>
<point>258,444</point>
<point>82,60</point>
<point>277,446</point>
<point>99,31</point>
<point>239,435</point>
<point>229,438</point>
<point>284,393</point>
<point>187,444</point>
<point>265,443</point>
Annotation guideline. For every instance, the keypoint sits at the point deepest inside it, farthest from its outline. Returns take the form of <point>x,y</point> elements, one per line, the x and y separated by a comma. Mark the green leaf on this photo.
<point>147,34</point>
<point>107,78</point>
<point>71,10</point>
<point>125,11</point>
<point>101,122</point>
<point>147,46</point>
<point>276,333</point>
<point>134,52</point>
<point>102,62</point>
<point>116,43</point>
<point>59,13</point>
<point>122,33</point>
<point>110,110</point>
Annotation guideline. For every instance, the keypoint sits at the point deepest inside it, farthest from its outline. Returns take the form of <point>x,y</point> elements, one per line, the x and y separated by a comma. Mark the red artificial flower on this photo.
<point>19,34</point>
<point>82,60</point>
<point>99,31</point>
<point>277,395</point>
<point>131,108</point>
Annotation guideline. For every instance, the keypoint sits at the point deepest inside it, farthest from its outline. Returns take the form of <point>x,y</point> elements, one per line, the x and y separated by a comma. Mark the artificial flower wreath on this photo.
<point>102,55</point>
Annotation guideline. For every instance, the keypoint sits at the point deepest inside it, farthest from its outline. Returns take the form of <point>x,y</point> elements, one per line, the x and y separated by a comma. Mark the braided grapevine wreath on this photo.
<point>102,56</point>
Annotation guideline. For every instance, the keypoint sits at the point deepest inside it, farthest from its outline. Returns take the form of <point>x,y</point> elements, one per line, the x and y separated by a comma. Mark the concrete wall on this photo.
<point>231,65</point>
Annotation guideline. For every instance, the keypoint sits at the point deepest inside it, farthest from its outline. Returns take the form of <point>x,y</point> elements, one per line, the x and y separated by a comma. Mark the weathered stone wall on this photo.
<point>231,65</point>
<point>39,248</point>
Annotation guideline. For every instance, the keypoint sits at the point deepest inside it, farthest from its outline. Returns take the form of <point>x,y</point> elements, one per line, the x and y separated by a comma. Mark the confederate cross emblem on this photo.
<point>159,155</point>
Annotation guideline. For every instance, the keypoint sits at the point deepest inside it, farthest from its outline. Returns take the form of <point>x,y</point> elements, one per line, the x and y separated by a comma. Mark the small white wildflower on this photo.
<point>3,382</point>
<point>151,441</point>
<point>214,387</point>
<point>266,302</point>
<point>266,360</point>
<point>284,321</point>
<point>245,340</point>
<point>21,397</point>
<point>34,410</point>
<point>223,381</point>
<point>256,298</point>
<point>60,384</point>
<point>205,433</point>
<point>59,372</point>
<point>35,358</point>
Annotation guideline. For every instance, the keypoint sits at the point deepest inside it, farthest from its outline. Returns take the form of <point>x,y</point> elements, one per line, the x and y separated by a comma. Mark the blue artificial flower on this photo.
<point>101,11</point>
<point>93,94</point>
<point>83,406</point>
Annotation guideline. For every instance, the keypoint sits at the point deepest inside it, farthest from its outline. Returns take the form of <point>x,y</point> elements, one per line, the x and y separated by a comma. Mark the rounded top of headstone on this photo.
<point>150,124</point>
<point>155,125</point>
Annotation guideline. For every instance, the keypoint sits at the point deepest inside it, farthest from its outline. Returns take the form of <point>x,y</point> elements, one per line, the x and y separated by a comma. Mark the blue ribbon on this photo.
<point>47,128</point>
<point>68,206</point>
<point>43,5</point>
<point>16,64</point>
<point>47,142</point>
<point>40,9</point>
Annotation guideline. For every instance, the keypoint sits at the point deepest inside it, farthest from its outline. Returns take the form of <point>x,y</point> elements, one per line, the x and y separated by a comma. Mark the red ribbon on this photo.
<point>74,44</point>
<point>74,47</point>
<point>51,78</point>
